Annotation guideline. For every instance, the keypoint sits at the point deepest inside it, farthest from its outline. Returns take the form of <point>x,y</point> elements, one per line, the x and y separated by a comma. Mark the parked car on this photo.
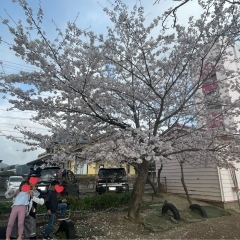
<point>112,180</point>
<point>13,182</point>
<point>49,173</point>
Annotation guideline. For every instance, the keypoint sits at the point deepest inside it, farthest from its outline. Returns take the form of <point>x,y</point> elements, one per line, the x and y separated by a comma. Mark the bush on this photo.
<point>96,202</point>
<point>104,201</point>
<point>5,207</point>
<point>7,173</point>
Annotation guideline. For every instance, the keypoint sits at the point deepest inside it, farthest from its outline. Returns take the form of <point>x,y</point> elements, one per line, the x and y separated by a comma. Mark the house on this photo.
<point>204,181</point>
<point>93,167</point>
<point>42,158</point>
<point>209,182</point>
<point>217,86</point>
<point>74,165</point>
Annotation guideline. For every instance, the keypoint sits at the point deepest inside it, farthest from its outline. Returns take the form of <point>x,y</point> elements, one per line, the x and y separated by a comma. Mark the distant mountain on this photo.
<point>3,165</point>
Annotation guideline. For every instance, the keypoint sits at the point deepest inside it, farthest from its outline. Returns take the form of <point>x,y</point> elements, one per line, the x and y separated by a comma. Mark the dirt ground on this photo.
<point>113,223</point>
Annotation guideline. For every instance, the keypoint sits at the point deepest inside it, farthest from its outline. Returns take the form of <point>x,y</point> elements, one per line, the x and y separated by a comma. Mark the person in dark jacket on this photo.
<point>51,203</point>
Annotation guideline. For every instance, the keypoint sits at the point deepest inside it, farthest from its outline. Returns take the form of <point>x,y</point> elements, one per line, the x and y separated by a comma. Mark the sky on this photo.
<point>90,16</point>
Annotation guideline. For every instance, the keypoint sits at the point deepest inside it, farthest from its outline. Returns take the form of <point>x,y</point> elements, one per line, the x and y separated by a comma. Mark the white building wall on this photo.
<point>225,82</point>
<point>234,65</point>
<point>226,91</point>
<point>227,184</point>
<point>209,183</point>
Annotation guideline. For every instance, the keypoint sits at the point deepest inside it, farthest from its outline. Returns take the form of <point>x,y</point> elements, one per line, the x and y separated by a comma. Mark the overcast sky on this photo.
<point>91,16</point>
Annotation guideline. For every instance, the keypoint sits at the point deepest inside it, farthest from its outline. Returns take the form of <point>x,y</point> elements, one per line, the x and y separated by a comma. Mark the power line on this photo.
<point>1,131</point>
<point>8,131</point>
<point>15,68</point>
<point>17,111</point>
<point>7,52</point>
<point>25,66</point>
<point>7,72</point>
<point>13,136</point>
<point>14,118</point>
<point>24,126</point>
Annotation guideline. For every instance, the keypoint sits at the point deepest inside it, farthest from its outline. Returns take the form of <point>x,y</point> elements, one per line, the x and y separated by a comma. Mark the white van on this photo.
<point>14,182</point>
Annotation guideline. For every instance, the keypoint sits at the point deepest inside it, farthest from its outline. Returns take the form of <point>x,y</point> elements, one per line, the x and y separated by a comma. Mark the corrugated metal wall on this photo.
<point>202,182</point>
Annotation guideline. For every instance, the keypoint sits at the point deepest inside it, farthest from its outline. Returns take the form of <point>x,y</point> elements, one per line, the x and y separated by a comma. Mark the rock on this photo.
<point>174,220</point>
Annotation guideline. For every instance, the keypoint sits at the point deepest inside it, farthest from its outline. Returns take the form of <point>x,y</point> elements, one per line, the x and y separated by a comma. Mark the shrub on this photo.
<point>7,173</point>
<point>5,207</point>
<point>105,201</point>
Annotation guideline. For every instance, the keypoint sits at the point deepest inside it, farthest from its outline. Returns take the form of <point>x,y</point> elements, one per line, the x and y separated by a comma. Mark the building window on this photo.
<point>208,71</point>
<point>209,86</point>
<point>215,120</point>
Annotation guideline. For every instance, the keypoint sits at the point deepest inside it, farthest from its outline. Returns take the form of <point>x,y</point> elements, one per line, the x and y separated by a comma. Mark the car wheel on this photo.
<point>172,208</point>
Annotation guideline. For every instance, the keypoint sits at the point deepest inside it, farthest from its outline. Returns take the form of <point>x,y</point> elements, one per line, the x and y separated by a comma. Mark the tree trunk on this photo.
<point>158,178</point>
<point>183,183</point>
<point>152,185</point>
<point>138,191</point>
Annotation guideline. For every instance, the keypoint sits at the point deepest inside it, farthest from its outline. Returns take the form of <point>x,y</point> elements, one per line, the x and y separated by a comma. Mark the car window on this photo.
<point>118,173</point>
<point>48,174</point>
<point>16,179</point>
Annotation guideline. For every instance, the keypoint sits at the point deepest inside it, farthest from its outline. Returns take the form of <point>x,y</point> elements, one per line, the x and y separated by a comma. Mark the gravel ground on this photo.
<point>113,223</point>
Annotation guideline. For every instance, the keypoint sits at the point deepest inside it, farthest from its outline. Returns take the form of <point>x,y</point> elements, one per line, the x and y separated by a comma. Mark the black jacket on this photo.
<point>51,201</point>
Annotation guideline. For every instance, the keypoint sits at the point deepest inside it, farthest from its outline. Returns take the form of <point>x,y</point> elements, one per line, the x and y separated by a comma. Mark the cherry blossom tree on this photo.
<point>128,88</point>
<point>172,12</point>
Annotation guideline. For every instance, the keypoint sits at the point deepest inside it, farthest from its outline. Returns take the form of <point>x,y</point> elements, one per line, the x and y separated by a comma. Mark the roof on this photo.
<point>40,161</point>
